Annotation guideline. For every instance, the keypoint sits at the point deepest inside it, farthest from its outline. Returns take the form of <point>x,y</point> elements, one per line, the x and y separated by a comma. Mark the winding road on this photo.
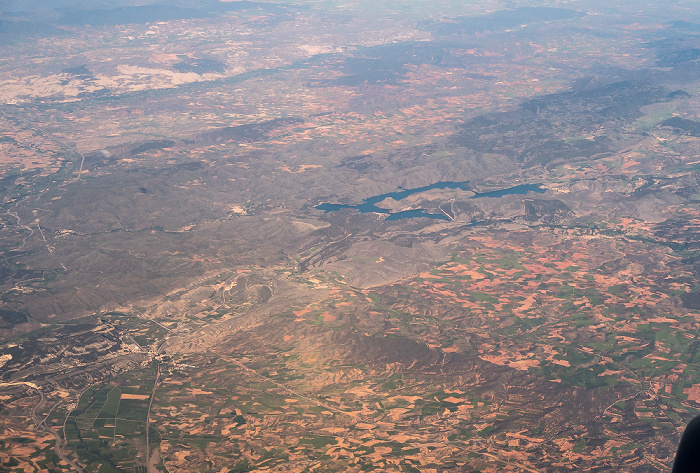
<point>41,423</point>
<point>19,220</point>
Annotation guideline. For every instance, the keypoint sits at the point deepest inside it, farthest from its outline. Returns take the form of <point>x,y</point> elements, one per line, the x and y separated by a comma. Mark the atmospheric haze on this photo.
<point>343,235</point>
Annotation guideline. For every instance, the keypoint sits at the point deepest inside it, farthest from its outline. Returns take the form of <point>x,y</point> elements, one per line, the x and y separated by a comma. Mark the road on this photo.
<point>353,415</point>
<point>356,416</point>
<point>41,424</point>
<point>31,232</point>
<point>151,468</point>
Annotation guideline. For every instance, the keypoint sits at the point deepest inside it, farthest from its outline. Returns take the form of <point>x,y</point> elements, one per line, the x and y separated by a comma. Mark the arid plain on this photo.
<point>348,236</point>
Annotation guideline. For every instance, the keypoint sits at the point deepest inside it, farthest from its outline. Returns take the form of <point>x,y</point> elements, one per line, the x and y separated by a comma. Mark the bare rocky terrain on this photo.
<point>327,236</point>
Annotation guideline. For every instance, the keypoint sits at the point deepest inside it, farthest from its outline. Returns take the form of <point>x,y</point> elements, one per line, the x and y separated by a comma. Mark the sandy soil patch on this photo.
<point>140,397</point>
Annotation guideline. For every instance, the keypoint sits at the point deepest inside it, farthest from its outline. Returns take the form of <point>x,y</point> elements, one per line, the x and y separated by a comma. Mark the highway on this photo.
<point>41,424</point>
